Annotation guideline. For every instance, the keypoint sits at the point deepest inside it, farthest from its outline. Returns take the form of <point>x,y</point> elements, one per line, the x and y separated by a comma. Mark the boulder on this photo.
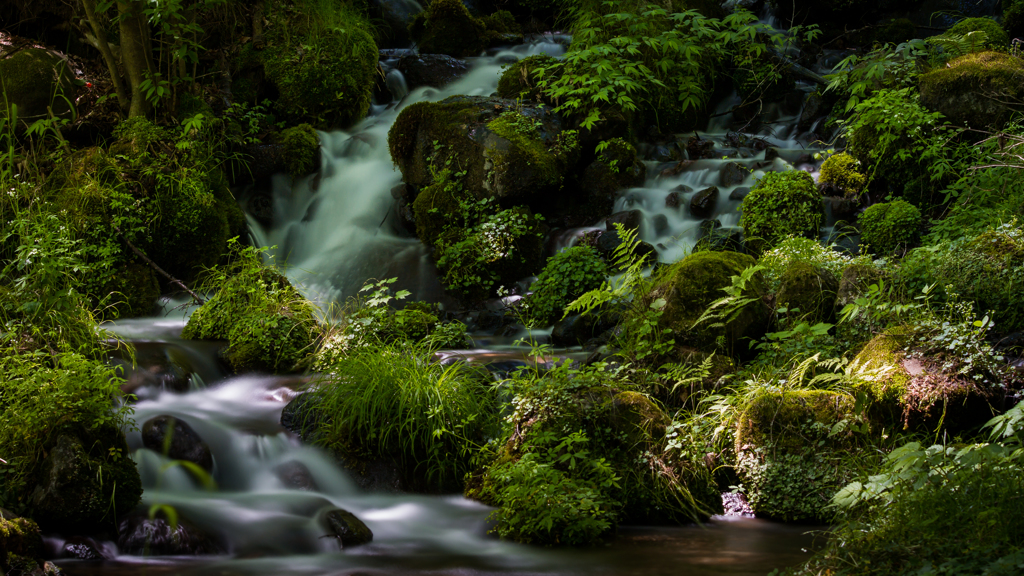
<point>732,174</point>
<point>177,440</point>
<point>435,70</point>
<point>346,528</point>
<point>703,203</point>
<point>808,292</point>
<point>138,534</point>
<point>616,167</point>
<point>34,80</point>
<point>296,475</point>
<point>981,90</point>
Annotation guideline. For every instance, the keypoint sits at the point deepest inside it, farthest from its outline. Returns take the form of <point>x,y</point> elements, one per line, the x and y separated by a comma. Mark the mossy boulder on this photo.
<point>688,288</point>
<point>888,227</point>
<point>82,488</point>
<point>994,37</point>
<point>616,167</point>
<point>447,27</point>
<point>300,150</point>
<point>979,90</point>
<point>789,463</point>
<point>808,292</point>
<point>35,80</point>
<point>519,80</point>
<point>511,152</point>
<point>21,545</point>
<point>322,65</point>
<point>781,204</point>
<point>840,176</point>
<point>269,326</point>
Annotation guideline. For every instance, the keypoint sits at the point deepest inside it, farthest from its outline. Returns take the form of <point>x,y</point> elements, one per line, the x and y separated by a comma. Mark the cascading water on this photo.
<point>335,231</point>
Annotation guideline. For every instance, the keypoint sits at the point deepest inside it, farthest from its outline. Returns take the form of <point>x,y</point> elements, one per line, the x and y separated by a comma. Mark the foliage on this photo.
<point>890,226</point>
<point>396,401</point>
<point>266,321</point>
<point>942,509</point>
<point>858,77</point>
<point>300,146</point>
<point>993,36</point>
<point>781,204</point>
<point>567,276</point>
<point>800,249</point>
<point>840,171</point>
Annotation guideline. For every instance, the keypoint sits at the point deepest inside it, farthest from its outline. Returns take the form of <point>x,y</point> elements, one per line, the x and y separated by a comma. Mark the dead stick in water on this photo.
<point>154,265</point>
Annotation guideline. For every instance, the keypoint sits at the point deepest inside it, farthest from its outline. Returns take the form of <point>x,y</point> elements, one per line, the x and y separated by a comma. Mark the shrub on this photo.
<point>890,226</point>
<point>267,323</point>
<point>798,249</point>
<point>781,204</point>
<point>567,276</point>
<point>840,171</point>
<point>395,401</point>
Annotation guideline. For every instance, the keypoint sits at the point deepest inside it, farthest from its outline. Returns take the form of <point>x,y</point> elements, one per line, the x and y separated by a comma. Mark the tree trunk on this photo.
<point>104,47</point>
<point>135,53</point>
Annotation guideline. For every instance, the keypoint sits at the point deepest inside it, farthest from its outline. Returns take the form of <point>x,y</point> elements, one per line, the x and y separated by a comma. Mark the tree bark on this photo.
<point>135,53</point>
<point>104,47</point>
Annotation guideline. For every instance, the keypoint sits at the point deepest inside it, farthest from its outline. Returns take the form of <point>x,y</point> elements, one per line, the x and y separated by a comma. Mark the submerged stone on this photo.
<point>346,528</point>
<point>177,440</point>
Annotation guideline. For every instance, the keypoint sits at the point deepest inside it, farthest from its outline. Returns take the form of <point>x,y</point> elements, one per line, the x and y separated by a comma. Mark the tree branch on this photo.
<point>198,299</point>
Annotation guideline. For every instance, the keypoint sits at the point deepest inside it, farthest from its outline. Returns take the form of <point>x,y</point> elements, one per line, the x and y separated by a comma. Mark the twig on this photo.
<point>160,270</point>
<point>2,461</point>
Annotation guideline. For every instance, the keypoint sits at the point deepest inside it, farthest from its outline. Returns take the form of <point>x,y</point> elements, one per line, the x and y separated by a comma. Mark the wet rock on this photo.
<point>660,224</point>
<point>393,18</point>
<point>82,548</point>
<point>713,236</point>
<point>617,167</point>
<point>296,475</point>
<point>697,148</point>
<point>608,241</point>
<point>738,194</point>
<point>177,440</point>
<point>732,174</point>
<point>261,207</point>
<point>703,203</point>
<point>78,486</point>
<point>343,525</point>
<point>677,168</point>
<point>630,220</point>
<point>140,535</point>
<point>435,70</point>
<point>840,208</point>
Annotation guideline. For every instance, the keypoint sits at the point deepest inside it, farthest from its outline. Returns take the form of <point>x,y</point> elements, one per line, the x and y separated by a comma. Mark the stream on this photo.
<point>335,230</point>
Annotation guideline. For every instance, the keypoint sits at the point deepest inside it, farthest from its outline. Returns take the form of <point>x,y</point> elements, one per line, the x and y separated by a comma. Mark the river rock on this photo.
<point>435,70</point>
<point>138,534</point>
<point>703,203</point>
<point>296,475</point>
<point>629,219</point>
<point>183,444</point>
<point>82,548</point>
<point>346,528</point>
<point>732,174</point>
<point>738,194</point>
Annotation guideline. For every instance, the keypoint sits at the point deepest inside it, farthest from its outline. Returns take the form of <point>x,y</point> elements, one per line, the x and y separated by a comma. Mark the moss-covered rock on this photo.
<point>808,292</point>
<point>616,167</point>
<point>80,488</point>
<point>840,176</point>
<point>34,80</point>
<point>20,544</point>
<point>979,90</point>
<point>519,81</point>
<point>789,464</point>
<point>514,153</point>
<point>300,150</point>
<point>781,204</point>
<point>447,27</point>
<point>890,226</point>
<point>269,326</point>
<point>995,37</point>
<point>321,63</point>
<point>692,284</point>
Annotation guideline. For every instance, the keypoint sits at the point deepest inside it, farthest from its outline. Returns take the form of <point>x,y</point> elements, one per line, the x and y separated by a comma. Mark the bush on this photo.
<point>890,226</point>
<point>781,204</point>
<point>267,323</point>
<point>567,276</point>
<point>797,249</point>
<point>840,172</point>
<point>396,401</point>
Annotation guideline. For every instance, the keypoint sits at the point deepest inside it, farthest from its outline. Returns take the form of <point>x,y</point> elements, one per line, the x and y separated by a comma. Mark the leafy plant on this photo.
<point>567,276</point>
<point>890,226</point>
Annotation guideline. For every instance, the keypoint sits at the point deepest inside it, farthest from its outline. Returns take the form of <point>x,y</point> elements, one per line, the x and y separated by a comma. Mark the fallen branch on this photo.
<point>160,270</point>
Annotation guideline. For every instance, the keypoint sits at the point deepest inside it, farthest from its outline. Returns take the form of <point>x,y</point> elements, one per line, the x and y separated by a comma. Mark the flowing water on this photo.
<point>335,230</point>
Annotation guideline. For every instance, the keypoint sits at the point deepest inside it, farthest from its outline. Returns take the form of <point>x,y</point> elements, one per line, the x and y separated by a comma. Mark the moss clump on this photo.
<point>300,146</point>
<point>528,163</point>
<point>995,36</point>
<point>788,462</point>
<point>890,226</point>
<point>692,284</point>
<point>839,172</point>
<point>447,27</point>
<point>885,351</point>
<point>567,276</point>
<point>269,326</point>
<point>518,79</point>
<point>34,79</point>
<point>808,292</point>
<point>322,64</point>
<point>976,90</point>
<point>436,208</point>
<point>781,204</point>
<point>19,540</point>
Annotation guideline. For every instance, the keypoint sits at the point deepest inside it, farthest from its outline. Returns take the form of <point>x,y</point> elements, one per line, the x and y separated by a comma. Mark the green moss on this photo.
<point>567,276</point>
<point>421,126</point>
<point>269,326</point>
<point>300,146</point>
<point>448,28</point>
<point>840,172</point>
<point>323,64</point>
<point>995,36</point>
<point>692,284</point>
<point>890,226</point>
<point>789,464</point>
<point>528,151</point>
<point>34,79</point>
<point>781,204</point>
<point>808,292</point>
<point>19,537</point>
<point>885,351</point>
<point>518,79</point>
<point>976,90</point>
